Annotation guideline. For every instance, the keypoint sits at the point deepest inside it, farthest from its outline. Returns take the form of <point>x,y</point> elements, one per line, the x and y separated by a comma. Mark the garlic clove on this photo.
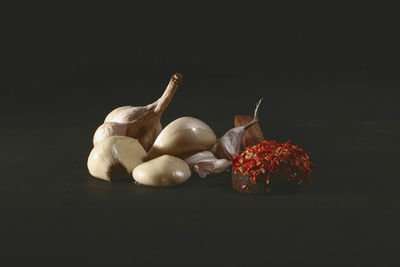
<point>205,163</point>
<point>229,144</point>
<point>201,156</point>
<point>183,137</point>
<point>115,157</point>
<point>253,135</point>
<point>215,166</point>
<point>143,122</point>
<point>162,171</point>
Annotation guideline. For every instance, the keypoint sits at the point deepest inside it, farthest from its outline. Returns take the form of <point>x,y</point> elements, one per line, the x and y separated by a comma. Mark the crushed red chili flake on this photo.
<point>283,160</point>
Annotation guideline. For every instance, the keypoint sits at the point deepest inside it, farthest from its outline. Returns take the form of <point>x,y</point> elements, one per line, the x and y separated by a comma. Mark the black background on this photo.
<point>329,77</point>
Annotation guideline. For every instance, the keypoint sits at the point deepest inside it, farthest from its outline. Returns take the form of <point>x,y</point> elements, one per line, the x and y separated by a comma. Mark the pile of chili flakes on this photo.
<point>282,160</point>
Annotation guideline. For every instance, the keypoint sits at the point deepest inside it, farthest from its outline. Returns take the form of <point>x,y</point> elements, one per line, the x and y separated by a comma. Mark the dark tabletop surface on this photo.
<point>329,75</point>
<point>53,211</point>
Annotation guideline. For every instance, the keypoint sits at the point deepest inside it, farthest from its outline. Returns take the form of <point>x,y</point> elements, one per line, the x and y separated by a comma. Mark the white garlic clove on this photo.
<point>205,163</point>
<point>183,137</point>
<point>115,157</point>
<point>162,171</point>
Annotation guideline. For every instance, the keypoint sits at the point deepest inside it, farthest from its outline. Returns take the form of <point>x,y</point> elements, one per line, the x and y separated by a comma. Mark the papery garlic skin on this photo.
<point>163,171</point>
<point>183,137</point>
<point>109,129</point>
<point>229,144</point>
<point>127,114</point>
<point>115,157</point>
<point>205,163</point>
<point>122,129</point>
<point>147,139</point>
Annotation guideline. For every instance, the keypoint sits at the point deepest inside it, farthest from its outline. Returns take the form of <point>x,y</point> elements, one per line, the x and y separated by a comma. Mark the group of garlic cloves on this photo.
<point>131,143</point>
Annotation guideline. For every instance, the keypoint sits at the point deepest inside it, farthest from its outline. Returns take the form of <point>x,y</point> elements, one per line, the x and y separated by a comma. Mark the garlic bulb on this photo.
<point>115,157</point>
<point>183,137</point>
<point>142,123</point>
<point>228,145</point>
<point>162,171</point>
<point>205,163</point>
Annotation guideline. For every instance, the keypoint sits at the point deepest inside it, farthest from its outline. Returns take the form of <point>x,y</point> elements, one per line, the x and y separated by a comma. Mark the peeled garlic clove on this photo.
<point>183,137</point>
<point>142,123</point>
<point>115,157</point>
<point>229,144</point>
<point>162,171</point>
<point>205,163</point>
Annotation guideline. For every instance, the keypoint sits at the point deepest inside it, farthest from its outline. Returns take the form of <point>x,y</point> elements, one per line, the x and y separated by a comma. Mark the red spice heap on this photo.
<point>282,160</point>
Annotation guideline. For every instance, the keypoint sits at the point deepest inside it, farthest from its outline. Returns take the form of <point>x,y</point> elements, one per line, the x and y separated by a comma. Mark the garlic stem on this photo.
<point>162,103</point>
<point>255,117</point>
